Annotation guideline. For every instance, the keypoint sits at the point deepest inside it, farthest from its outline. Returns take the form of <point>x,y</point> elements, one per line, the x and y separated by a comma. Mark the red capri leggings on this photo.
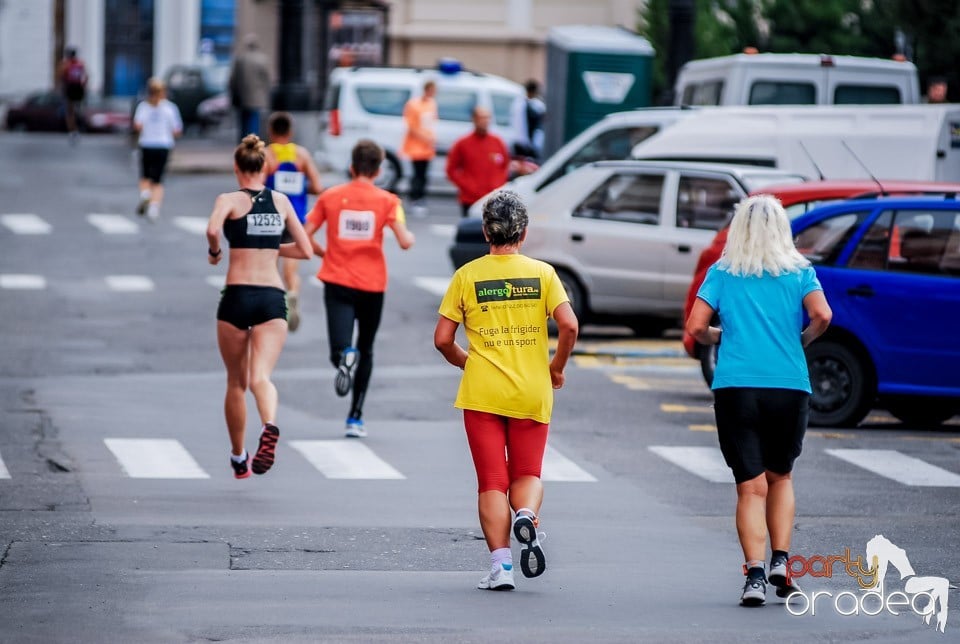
<point>504,448</point>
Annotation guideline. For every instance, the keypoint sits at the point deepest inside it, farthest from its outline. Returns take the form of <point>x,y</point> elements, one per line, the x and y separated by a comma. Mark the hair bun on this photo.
<point>253,142</point>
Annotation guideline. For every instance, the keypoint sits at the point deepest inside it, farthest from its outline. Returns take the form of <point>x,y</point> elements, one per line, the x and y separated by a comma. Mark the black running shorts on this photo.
<point>245,306</point>
<point>760,428</point>
<point>153,163</point>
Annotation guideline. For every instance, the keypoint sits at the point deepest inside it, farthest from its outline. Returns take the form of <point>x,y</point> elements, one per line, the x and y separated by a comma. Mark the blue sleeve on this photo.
<point>711,288</point>
<point>809,282</point>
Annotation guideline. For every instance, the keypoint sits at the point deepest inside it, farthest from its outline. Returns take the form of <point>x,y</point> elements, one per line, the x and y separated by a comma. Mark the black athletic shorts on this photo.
<point>760,428</point>
<point>245,306</point>
<point>153,163</point>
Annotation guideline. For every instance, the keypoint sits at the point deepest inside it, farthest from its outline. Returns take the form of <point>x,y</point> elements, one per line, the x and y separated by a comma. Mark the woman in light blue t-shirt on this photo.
<point>759,289</point>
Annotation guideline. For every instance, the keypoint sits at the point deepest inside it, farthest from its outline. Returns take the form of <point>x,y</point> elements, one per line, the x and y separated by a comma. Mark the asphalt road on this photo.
<point>120,520</point>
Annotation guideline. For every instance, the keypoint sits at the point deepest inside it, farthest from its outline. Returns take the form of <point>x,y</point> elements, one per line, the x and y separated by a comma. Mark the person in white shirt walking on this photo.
<point>157,122</point>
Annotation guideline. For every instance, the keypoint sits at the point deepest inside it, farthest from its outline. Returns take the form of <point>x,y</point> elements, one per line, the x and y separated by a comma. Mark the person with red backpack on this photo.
<point>73,81</point>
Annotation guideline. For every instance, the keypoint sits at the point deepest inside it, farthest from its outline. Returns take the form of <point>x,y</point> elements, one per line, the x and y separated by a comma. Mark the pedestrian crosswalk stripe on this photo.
<point>435,285</point>
<point>113,224</point>
<point>197,225</point>
<point>443,230</point>
<point>557,467</point>
<point>26,224</point>
<point>216,281</point>
<point>129,283</point>
<point>4,472</point>
<point>345,459</point>
<point>154,458</point>
<point>20,281</point>
<point>705,462</point>
<point>899,467</point>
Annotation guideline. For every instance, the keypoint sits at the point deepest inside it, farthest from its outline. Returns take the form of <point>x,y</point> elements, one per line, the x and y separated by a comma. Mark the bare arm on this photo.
<point>445,340</point>
<point>300,247</point>
<point>820,315</point>
<point>568,327</point>
<point>221,210</point>
<point>310,170</point>
<point>405,238</point>
<point>698,323</point>
<point>310,229</point>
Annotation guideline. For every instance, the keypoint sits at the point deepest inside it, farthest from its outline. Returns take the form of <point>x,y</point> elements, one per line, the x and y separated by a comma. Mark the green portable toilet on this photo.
<point>593,71</point>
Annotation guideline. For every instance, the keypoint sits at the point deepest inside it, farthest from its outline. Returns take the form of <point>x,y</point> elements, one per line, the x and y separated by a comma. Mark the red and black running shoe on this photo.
<point>266,451</point>
<point>241,470</point>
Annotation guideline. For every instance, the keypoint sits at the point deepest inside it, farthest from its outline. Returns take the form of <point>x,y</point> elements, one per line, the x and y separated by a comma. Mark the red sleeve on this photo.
<point>454,170</point>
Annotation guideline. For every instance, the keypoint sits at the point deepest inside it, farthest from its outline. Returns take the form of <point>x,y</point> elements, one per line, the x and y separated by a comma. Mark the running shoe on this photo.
<point>532,561</point>
<point>754,592</point>
<point>355,428</point>
<point>266,451</point>
<point>241,470</point>
<point>781,577</point>
<point>344,379</point>
<point>499,578</point>
<point>293,311</point>
<point>142,206</point>
<point>153,212</point>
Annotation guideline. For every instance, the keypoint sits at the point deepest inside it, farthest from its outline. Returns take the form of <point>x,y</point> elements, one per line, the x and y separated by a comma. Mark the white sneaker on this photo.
<point>153,212</point>
<point>500,578</point>
<point>355,428</point>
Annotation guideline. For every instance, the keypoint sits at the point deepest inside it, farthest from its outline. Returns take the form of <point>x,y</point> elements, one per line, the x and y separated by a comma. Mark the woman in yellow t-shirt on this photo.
<point>503,301</point>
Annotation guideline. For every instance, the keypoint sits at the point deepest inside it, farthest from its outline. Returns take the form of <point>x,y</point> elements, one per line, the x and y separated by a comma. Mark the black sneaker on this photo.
<point>267,450</point>
<point>532,561</point>
<point>754,592</point>
<point>241,470</point>
<point>344,379</point>
<point>781,578</point>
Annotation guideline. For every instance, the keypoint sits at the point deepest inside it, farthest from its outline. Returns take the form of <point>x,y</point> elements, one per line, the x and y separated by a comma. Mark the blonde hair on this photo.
<point>760,240</point>
<point>250,154</point>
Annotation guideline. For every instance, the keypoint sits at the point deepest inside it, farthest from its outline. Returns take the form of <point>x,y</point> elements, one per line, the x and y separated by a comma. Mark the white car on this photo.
<point>625,236</point>
<point>367,103</point>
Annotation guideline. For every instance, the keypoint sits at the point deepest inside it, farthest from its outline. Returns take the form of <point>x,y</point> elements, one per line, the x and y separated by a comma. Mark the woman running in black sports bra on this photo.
<point>252,315</point>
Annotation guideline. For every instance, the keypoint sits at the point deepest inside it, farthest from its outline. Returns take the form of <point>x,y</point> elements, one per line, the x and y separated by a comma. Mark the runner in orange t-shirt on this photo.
<point>420,141</point>
<point>354,270</point>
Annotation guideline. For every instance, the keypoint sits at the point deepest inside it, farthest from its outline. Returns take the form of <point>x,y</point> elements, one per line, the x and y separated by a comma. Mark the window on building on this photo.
<point>127,46</point>
<point>216,28</point>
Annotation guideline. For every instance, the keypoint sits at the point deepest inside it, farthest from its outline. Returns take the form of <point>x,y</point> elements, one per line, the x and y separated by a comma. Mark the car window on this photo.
<point>925,242</point>
<point>705,202</point>
<point>631,197</point>
<point>385,101</point>
<point>502,106</point>
<point>797,209</point>
<point>871,252</point>
<point>455,104</point>
<point>866,95</point>
<point>782,93</point>
<point>823,242</point>
<point>612,145</point>
<point>707,93</point>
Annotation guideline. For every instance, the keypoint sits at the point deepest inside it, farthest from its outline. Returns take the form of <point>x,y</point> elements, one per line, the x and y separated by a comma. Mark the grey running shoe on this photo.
<point>499,578</point>
<point>781,578</point>
<point>532,561</point>
<point>344,380</point>
<point>754,592</point>
<point>293,311</point>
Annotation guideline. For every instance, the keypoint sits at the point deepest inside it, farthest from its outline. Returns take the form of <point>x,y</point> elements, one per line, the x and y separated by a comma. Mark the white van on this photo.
<point>796,79</point>
<point>909,142</point>
<point>367,103</point>
<point>612,138</point>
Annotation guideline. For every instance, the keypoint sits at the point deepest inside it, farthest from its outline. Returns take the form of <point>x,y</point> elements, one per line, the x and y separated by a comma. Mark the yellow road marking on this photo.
<point>702,428</point>
<point>684,409</point>
<point>630,382</point>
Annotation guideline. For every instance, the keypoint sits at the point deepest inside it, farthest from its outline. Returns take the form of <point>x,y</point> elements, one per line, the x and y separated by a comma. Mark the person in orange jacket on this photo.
<point>478,162</point>
<point>420,141</point>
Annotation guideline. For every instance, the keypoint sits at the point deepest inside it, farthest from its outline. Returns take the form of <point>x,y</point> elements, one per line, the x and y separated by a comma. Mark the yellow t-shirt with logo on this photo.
<point>503,302</point>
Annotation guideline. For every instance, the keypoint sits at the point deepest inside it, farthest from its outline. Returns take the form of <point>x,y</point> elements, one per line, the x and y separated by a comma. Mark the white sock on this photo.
<point>144,195</point>
<point>501,556</point>
<point>239,459</point>
<point>153,210</point>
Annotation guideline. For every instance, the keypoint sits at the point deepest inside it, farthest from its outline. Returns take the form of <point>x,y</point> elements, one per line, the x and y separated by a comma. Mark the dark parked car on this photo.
<point>46,111</point>
<point>190,85</point>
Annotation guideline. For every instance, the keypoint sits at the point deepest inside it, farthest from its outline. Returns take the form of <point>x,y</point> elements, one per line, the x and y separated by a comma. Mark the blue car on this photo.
<point>890,269</point>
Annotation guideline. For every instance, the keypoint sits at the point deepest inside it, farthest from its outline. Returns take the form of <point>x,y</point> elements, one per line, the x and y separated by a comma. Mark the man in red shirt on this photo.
<point>478,162</point>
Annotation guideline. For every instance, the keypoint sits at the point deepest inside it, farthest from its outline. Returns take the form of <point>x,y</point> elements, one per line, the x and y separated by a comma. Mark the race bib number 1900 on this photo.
<point>264,224</point>
<point>357,224</point>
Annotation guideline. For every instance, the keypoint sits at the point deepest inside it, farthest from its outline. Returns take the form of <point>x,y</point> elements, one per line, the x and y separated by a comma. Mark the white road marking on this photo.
<point>705,462</point>
<point>113,224</point>
<point>129,283</point>
<point>197,225</point>
<point>443,230</point>
<point>26,224</point>
<point>345,459</point>
<point>4,472</point>
<point>217,281</point>
<point>154,458</point>
<point>435,285</point>
<point>20,281</point>
<point>557,467</point>
<point>904,469</point>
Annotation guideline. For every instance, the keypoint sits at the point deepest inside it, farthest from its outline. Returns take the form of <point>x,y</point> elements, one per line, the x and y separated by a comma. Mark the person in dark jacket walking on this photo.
<point>250,85</point>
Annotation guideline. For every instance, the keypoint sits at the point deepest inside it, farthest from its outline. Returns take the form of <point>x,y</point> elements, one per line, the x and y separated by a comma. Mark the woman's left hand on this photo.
<point>557,378</point>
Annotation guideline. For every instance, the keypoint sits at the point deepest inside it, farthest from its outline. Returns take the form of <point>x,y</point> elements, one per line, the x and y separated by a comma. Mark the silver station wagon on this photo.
<point>624,236</point>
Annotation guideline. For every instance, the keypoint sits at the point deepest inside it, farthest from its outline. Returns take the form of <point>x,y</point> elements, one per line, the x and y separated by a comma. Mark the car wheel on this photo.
<point>574,292</point>
<point>843,392</point>
<point>708,362</point>
<point>649,327</point>
<point>921,413</point>
<point>390,173</point>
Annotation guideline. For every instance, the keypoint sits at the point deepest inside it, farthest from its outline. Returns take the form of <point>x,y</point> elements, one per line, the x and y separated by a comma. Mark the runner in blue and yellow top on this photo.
<point>290,170</point>
<point>503,301</point>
